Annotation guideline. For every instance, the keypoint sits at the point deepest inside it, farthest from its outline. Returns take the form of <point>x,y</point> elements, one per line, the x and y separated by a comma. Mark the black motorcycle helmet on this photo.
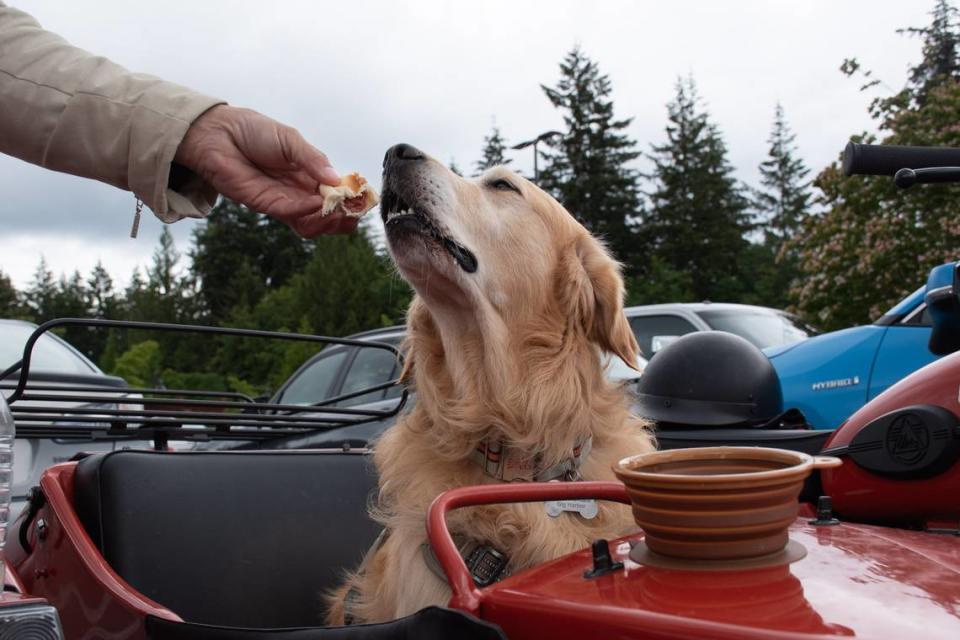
<point>707,379</point>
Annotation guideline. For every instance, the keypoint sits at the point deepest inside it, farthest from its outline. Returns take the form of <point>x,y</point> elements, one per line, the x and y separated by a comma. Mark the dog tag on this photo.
<point>586,508</point>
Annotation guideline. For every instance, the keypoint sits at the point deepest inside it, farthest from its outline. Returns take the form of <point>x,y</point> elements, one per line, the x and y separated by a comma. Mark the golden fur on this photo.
<point>508,352</point>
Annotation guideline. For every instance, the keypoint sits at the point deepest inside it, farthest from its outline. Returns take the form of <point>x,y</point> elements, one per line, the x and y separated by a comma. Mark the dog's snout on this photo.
<point>403,152</point>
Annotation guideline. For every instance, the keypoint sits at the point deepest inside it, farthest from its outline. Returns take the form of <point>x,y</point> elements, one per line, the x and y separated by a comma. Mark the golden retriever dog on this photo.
<point>514,302</point>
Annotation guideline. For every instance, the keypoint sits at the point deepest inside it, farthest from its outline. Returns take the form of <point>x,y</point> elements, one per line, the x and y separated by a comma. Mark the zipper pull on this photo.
<point>136,219</point>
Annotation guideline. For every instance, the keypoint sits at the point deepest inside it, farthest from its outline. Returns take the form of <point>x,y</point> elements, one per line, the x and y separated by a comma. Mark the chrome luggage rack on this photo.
<point>42,410</point>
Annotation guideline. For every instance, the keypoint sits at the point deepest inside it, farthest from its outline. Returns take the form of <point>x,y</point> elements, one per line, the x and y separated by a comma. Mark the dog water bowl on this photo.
<point>717,503</point>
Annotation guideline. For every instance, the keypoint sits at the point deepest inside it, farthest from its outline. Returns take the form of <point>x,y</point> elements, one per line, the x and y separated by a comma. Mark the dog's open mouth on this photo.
<point>397,215</point>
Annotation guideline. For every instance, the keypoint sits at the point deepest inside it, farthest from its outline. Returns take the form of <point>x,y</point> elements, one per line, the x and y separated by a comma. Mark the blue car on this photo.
<point>830,376</point>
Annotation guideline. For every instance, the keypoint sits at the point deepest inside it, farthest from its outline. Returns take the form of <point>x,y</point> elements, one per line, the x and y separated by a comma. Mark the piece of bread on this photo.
<point>353,198</point>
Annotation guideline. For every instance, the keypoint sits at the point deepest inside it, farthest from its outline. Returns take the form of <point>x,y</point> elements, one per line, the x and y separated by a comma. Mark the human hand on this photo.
<point>264,165</point>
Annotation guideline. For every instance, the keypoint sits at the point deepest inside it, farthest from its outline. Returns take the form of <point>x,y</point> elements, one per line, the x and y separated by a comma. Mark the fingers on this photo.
<point>306,217</point>
<point>308,157</point>
<point>288,209</point>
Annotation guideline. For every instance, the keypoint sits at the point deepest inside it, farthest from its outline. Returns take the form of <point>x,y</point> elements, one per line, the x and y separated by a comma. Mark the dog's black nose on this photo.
<point>402,152</point>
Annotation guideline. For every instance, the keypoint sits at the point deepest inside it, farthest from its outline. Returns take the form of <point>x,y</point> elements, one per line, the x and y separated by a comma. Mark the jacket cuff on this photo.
<point>156,132</point>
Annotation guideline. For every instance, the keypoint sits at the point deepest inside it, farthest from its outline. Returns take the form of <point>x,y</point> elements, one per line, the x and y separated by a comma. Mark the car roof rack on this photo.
<point>94,412</point>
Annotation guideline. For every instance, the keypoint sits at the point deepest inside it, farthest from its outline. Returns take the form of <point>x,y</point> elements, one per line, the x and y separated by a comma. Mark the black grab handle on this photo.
<point>886,160</point>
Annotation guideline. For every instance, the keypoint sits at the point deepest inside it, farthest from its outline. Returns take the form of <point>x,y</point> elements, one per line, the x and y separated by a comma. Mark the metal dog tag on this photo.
<point>586,508</point>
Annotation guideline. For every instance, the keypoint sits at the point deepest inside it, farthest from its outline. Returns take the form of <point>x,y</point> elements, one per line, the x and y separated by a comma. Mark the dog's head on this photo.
<point>498,246</point>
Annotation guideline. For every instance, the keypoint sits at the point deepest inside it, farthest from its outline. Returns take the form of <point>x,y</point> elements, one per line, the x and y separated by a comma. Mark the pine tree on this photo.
<point>101,298</point>
<point>588,168</point>
<point>784,199</point>
<point>40,295</point>
<point>238,255</point>
<point>494,147</point>
<point>941,52</point>
<point>699,215</point>
<point>9,298</point>
<point>162,276</point>
<point>454,167</point>
<point>101,303</point>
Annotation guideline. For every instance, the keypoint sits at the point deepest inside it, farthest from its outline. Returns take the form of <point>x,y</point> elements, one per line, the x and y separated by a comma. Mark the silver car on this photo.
<point>657,325</point>
<point>56,367</point>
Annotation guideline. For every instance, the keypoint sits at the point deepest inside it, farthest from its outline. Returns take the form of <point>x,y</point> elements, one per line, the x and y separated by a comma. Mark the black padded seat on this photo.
<point>239,539</point>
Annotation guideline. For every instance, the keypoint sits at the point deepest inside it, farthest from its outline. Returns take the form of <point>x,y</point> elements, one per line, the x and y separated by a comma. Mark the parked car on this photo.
<point>340,370</point>
<point>830,376</point>
<point>657,325</point>
<point>55,365</point>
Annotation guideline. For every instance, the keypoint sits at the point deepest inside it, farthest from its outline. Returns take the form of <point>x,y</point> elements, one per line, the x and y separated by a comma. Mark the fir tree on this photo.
<point>588,168</point>
<point>101,303</point>
<point>494,147</point>
<point>454,167</point>
<point>699,215</point>
<point>238,255</point>
<point>9,298</point>
<point>941,52</point>
<point>41,293</point>
<point>101,297</point>
<point>162,274</point>
<point>784,198</point>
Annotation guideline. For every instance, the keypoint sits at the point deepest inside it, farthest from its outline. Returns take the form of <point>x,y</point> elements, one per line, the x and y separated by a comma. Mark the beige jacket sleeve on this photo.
<point>68,110</point>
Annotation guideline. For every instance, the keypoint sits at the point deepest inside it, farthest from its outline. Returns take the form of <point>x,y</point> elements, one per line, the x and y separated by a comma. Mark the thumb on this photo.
<point>309,158</point>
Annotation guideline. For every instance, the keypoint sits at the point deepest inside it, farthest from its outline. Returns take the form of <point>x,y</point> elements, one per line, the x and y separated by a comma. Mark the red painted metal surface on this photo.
<point>861,495</point>
<point>466,596</point>
<point>67,569</point>
<point>12,581</point>
<point>10,598</point>
<point>856,580</point>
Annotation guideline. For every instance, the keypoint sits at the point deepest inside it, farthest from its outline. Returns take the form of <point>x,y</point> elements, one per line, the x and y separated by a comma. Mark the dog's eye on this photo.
<point>503,185</point>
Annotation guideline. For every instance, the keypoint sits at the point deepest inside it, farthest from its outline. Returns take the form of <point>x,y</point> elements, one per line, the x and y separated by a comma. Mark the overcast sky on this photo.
<point>358,76</point>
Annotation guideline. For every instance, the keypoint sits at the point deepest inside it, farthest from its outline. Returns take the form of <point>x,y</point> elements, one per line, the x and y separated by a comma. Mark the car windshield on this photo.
<point>762,328</point>
<point>49,353</point>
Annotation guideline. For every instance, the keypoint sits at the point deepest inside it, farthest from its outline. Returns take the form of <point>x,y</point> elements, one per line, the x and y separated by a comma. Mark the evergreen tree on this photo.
<point>238,255</point>
<point>783,200</point>
<point>454,167</point>
<point>41,294</point>
<point>941,52</point>
<point>588,168</point>
<point>699,214</point>
<point>874,242</point>
<point>162,276</point>
<point>9,298</point>
<point>346,287</point>
<point>101,303</point>
<point>494,147</point>
<point>101,298</point>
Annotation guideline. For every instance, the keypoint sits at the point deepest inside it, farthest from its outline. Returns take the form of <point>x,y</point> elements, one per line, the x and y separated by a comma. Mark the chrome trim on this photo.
<point>919,309</point>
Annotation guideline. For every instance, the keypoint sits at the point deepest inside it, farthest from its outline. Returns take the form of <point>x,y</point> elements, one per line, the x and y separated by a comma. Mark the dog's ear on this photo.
<point>592,287</point>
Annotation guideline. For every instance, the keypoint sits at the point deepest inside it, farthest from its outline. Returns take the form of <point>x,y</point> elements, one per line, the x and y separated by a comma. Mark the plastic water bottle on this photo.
<point>6,476</point>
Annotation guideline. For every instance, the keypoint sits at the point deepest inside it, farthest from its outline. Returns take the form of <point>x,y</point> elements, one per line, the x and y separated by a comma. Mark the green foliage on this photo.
<point>140,364</point>
<point>494,148</point>
<point>699,215</point>
<point>874,243</point>
<point>660,283</point>
<point>588,168</point>
<point>783,199</point>
<point>10,306</point>
<point>238,255</point>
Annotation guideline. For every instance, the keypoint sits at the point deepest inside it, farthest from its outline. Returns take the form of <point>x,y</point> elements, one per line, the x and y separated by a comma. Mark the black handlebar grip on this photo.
<point>887,159</point>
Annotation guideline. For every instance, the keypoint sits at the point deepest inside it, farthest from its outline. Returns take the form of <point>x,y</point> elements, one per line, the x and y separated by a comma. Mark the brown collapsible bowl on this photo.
<point>717,503</point>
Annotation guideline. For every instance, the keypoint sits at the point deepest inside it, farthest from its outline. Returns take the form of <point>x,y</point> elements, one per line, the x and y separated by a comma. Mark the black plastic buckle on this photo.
<point>486,565</point>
